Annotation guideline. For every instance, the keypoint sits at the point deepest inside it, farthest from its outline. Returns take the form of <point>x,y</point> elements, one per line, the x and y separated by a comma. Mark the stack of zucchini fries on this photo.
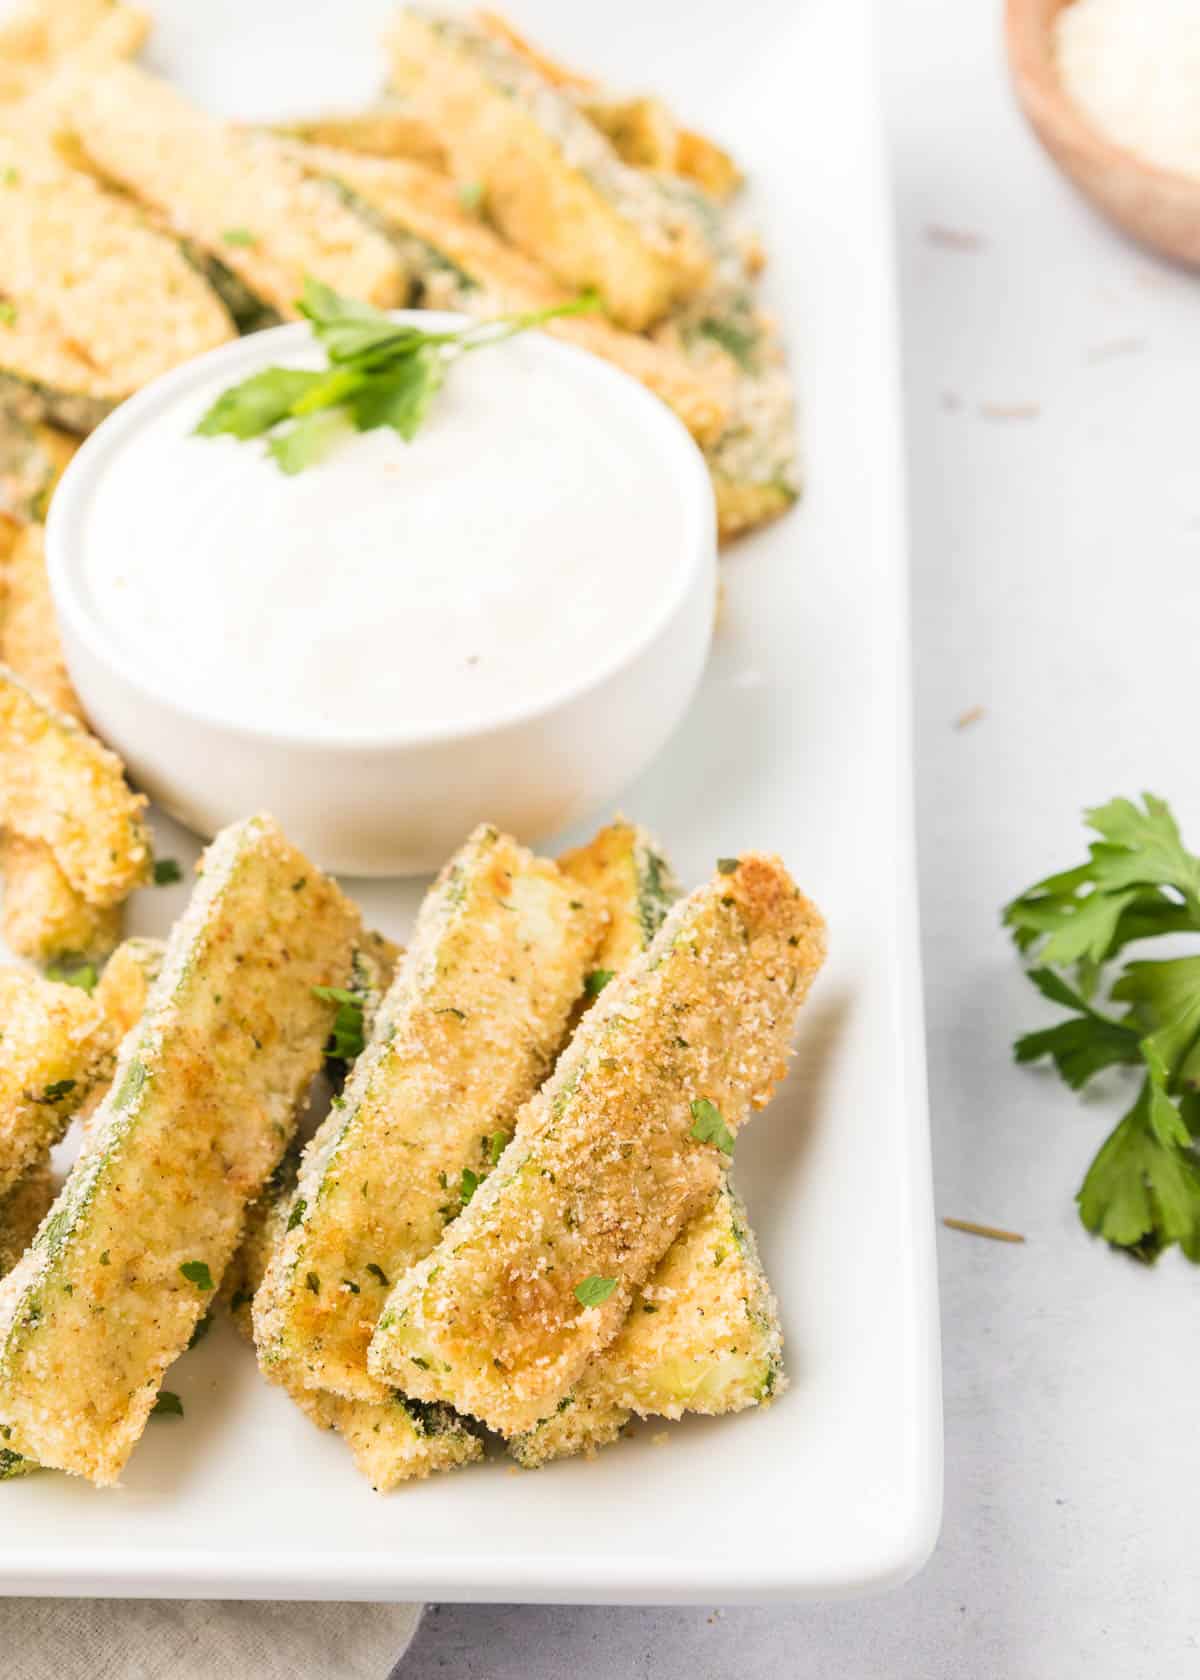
<point>137,231</point>
<point>516,1215</point>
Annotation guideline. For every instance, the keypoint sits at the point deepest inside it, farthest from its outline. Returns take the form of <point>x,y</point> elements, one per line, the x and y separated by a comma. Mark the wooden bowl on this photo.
<point>1158,207</point>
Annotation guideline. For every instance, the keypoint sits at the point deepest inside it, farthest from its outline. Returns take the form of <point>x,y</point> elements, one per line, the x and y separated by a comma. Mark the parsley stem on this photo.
<point>329,392</point>
<point>995,1232</point>
<point>495,332</point>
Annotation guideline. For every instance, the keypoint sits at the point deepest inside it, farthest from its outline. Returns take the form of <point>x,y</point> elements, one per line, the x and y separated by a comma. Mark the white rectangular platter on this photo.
<point>798,742</point>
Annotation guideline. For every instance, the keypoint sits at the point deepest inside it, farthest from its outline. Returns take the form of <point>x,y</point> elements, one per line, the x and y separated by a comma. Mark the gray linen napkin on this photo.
<point>161,1639</point>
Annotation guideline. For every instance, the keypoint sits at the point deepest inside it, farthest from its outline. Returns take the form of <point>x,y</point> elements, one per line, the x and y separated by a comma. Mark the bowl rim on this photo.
<point>245,355</point>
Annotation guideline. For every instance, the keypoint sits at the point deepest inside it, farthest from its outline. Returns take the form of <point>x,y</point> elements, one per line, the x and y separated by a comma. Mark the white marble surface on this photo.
<point>1055,584</point>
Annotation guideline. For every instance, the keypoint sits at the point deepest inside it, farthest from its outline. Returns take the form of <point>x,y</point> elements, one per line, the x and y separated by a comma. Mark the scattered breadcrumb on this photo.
<point>1010,411</point>
<point>994,1233</point>
<point>954,239</point>
<point>973,714</point>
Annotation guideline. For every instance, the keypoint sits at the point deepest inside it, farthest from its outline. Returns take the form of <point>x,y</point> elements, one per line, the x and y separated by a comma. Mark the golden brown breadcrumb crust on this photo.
<point>204,1098</point>
<point>58,785</point>
<point>468,1031</point>
<point>608,1170</point>
<point>702,1336</point>
<point>55,1046</point>
<point>43,915</point>
<point>553,183</point>
<point>228,189</point>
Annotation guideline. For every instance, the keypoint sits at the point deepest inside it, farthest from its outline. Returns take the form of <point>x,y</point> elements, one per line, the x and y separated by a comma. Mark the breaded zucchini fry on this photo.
<point>699,159</point>
<point>202,1103</point>
<point>723,332</point>
<point>467,1032</point>
<point>55,1047</point>
<point>43,32</point>
<point>40,32</point>
<point>226,189</point>
<point>86,1062</point>
<point>457,262</point>
<point>43,916</point>
<point>372,970</point>
<point>702,1336</point>
<point>392,1440</point>
<point>22,1210</point>
<point>119,293</point>
<point>646,135</point>
<point>60,1050</point>
<point>60,786</point>
<point>642,130</point>
<point>120,996</point>
<point>628,871</point>
<point>29,640</point>
<point>32,459</point>
<point>387,130</point>
<point>621,1150</point>
<point>125,984</point>
<point>44,377</point>
<point>552,182</point>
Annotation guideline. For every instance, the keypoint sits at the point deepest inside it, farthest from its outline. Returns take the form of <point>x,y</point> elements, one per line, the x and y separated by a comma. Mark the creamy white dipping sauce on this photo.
<point>524,540</point>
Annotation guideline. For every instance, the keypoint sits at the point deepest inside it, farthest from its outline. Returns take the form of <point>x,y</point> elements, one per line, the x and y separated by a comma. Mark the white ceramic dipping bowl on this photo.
<point>391,798</point>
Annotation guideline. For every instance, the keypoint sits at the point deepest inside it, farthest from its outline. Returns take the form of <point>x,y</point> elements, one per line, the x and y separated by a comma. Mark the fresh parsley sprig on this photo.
<point>1142,1191</point>
<point>381,372</point>
<point>346,1040</point>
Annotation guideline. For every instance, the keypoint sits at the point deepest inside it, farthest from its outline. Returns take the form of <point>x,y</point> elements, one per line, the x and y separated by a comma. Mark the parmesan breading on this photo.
<point>120,997</point>
<point>22,1210</point>
<point>626,868</point>
<point>118,292</point>
<point>58,785</point>
<point>642,130</point>
<point>227,189</point>
<point>387,130</point>
<point>59,1050</point>
<point>54,1045</point>
<point>467,1032</point>
<point>41,33</point>
<point>44,377</point>
<point>645,134</point>
<point>32,459</point>
<point>203,1100</point>
<point>608,1169</point>
<point>552,182</point>
<point>460,263</point>
<point>702,1336</point>
<point>391,1441</point>
<point>43,915</point>
<point>125,984</point>
<point>724,334</point>
<point>29,639</point>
